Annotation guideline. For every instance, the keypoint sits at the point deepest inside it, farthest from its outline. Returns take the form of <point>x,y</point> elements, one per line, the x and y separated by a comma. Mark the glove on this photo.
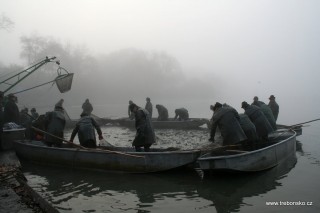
<point>71,141</point>
<point>211,140</point>
<point>100,137</point>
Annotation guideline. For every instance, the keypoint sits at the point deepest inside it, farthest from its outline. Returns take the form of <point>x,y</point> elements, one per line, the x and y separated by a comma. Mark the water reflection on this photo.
<point>227,191</point>
<point>83,191</point>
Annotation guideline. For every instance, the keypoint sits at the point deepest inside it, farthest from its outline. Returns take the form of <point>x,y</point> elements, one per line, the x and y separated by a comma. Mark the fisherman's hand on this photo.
<point>71,140</point>
<point>100,137</point>
<point>211,140</point>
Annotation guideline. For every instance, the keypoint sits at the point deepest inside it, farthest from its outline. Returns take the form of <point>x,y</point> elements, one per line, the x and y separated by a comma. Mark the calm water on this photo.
<point>83,191</point>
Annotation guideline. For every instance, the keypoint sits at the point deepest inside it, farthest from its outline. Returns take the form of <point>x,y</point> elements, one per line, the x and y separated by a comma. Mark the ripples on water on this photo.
<point>83,191</point>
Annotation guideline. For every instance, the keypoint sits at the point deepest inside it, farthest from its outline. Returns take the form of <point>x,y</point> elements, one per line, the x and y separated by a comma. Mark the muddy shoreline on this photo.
<point>15,193</point>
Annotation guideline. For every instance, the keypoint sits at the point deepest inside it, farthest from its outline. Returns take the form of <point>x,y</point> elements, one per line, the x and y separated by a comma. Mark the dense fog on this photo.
<point>179,53</point>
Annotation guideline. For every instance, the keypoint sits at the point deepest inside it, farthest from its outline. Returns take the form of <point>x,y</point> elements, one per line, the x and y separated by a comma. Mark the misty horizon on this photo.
<point>224,52</point>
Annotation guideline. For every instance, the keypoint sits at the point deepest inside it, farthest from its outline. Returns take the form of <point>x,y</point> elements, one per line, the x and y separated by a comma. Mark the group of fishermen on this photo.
<point>54,124</point>
<point>50,126</point>
<point>145,136</point>
<point>257,121</point>
<point>181,114</point>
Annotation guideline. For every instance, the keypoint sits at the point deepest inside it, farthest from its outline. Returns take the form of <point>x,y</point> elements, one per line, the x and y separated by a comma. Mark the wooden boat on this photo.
<point>192,123</point>
<point>281,145</point>
<point>297,128</point>
<point>120,159</point>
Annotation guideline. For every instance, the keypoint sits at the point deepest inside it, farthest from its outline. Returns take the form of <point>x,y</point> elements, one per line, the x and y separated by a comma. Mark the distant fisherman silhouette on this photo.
<point>274,107</point>
<point>163,113</point>
<point>181,114</point>
<point>87,107</point>
<point>149,107</point>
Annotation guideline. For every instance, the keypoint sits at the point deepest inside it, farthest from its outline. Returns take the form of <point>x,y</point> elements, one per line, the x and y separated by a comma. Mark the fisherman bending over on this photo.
<point>227,119</point>
<point>85,129</point>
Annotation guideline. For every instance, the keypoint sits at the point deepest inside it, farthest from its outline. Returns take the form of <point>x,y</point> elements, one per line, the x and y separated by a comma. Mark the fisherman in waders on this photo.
<point>145,136</point>
<point>85,129</point>
<point>274,107</point>
<point>54,123</point>
<point>163,113</point>
<point>181,114</point>
<point>149,107</point>
<point>227,119</point>
<point>260,121</point>
<point>11,110</point>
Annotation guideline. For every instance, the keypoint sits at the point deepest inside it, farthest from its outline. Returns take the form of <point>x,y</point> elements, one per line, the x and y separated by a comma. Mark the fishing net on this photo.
<point>64,82</point>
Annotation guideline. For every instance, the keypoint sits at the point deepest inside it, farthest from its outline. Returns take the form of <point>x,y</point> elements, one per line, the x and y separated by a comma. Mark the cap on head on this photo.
<point>130,102</point>
<point>217,106</point>
<point>272,97</point>
<point>244,104</point>
<point>255,98</point>
<point>148,99</point>
<point>33,109</point>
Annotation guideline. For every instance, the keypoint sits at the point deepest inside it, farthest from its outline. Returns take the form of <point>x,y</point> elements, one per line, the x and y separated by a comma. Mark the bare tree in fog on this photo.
<point>6,23</point>
<point>111,78</point>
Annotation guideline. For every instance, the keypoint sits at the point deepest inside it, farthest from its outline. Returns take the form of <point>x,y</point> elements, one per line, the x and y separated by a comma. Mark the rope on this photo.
<point>34,87</point>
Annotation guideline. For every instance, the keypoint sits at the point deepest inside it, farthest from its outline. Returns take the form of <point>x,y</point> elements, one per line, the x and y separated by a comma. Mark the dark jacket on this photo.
<point>260,121</point>
<point>149,108</point>
<point>274,108</point>
<point>248,127</point>
<point>163,113</point>
<point>54,124</point>
<point>145,134</point>
<point>257,103</point>
<point>34,115</point>
<point>85,129</point>
<point>11,112</point>
<point>1,118</point>
<point>181,114</point>
<point>269,115</point>
<point>26,122</point>
<point>227,119</point>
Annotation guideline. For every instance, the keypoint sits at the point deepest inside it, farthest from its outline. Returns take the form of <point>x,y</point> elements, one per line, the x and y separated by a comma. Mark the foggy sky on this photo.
<point>254,47</point>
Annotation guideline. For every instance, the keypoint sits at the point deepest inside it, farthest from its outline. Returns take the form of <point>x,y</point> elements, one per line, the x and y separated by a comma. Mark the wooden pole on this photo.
<point>304,123</point>
<point>82,147</point>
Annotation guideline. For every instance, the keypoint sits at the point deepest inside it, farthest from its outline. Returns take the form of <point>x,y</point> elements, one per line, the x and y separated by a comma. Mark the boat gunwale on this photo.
<point>107,151</point>
<point>246,153</point>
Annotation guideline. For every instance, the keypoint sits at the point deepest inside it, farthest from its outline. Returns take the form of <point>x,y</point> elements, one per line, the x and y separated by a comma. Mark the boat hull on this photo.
<point>132,162</point>
<point>252,161</point>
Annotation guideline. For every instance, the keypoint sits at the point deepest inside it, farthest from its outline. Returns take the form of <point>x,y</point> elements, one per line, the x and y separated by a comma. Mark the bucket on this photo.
<point>64,82</point>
